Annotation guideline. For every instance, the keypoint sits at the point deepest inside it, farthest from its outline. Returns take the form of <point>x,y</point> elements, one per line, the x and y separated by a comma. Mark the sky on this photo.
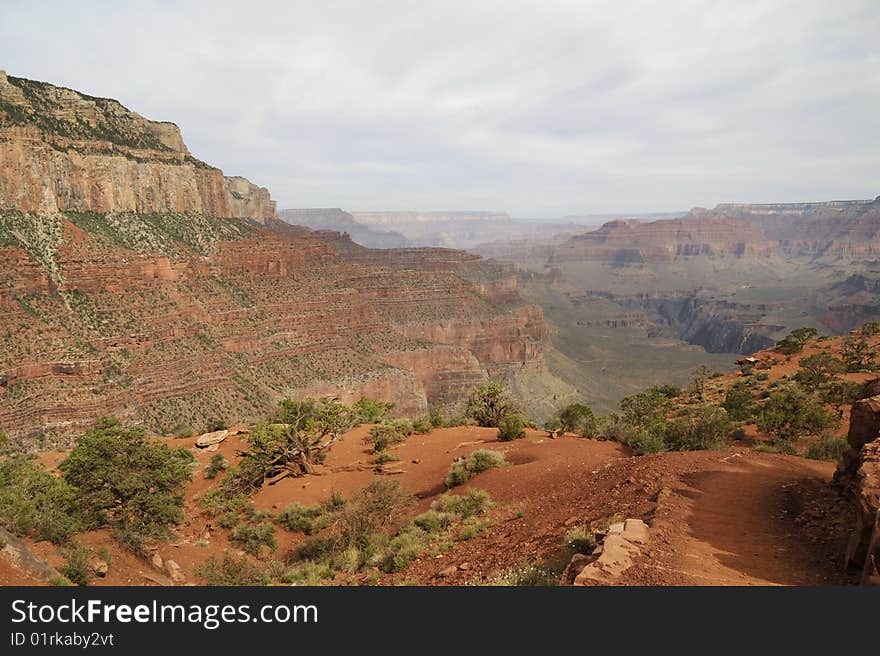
<point>541,109</point>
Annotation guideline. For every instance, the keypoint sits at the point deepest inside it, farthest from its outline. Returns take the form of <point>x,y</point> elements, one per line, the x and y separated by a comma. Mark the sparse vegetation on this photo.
<point>790,413</point>
<point>479,461</point>
<point>126,481</point>
<point>217,466</point>
<point>489,404</point>
<point>232,571</point>
<point>76,568</point>
<point>512,427</point>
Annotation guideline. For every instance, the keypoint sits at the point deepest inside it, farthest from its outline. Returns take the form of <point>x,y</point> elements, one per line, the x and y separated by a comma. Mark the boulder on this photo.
<point>175,571</point>
<point>864,422</point>
<point>617,557</point>
<point>863,549</point>
<point>636,531</point>
<point>208,439</point>
<point>99,567</point>
<point>575,566</point>
<point>157,561</point>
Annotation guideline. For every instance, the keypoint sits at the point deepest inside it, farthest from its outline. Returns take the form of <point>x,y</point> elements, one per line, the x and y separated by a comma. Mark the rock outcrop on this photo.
<point>858,474</point>
<point>64,150</point>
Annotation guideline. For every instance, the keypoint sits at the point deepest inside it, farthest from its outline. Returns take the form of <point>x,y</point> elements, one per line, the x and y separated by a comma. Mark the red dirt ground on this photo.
<point>735,517</point>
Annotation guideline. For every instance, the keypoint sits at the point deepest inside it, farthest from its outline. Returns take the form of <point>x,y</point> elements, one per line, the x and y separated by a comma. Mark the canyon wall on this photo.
<point>63,150</point>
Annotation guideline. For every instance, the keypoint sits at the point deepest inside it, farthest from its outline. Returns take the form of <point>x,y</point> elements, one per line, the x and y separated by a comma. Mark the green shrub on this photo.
<point>471,528</point>
<point>386,435</point>
<point>217,465</point>
<point>183,430</point>
<point>373,508</point>
<point>232,572</point>
<point>842,392</point>
<point>304,519</point>
<point>252,537</point>
<point>827,447</point>
<point>739,402</point>
<point>403,548</point>
<point>790,413</point>
<point>307,573</point>
<point>77,568</point>
<point>35,503</point>
<point>127,481</point>
<point>489,404</point>
<point>473,502</point>
<point>433,521</point>
<point>385,457</point>
<point>511,428</point>
<point>580,541</point>
<point>478,461</point>
<point>59,581</point>
<point>436,418</point>
<point>707,427</point>
<point>371,411</point>
<point>422,425</point>
<point>335,502</point>
<point>316,548</point>
<point>818,369</point>
<point>578,418</point>
<point>216,425</point>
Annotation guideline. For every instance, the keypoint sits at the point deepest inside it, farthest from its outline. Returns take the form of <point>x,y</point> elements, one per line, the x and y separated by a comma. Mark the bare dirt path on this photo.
<point>748,519</point>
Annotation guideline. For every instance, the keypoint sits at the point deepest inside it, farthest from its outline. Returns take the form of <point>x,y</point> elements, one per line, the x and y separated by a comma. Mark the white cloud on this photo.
<point>539,108</point>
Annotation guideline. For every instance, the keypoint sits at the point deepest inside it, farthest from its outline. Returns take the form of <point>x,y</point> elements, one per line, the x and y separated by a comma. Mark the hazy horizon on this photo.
<point>608,108</point>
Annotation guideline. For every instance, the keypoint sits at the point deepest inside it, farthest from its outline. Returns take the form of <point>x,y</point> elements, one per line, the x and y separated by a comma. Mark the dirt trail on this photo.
<point>746,520</point>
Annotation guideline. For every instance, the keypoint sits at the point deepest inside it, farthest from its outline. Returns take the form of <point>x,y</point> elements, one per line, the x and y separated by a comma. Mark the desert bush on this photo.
<point>433,521</point>
<point>858,354</point>
<point>252,537</point>
<point>511,427</point>
<point>126,481</point>
<point>706,427</point>
<point>385,457</point>
<point>77,568</point>
<point>818,369</point>
<point>217,465</point>
<point>473,502</point>
<point>59,581</point>
<point>739,402</point>
<point>827,447</point>
<point>478,461</point>
<point>215,425</point>
<point>580,541</point>
<point>422,425</point>
<point>796,340</point>
<point>646,409</point>
<point>316,548</point>
<point>291,448</point>
<point>232,571</point>
<point>307,573</point>
<point>489,404</point>
<point>870,329</point>
<point>436,417</point>
<point>387,435</point>
<point>471,528</point>
<point>578,418</point>
<point>790,413</point>
<point>35,503</point>
<point>402,549</point>
<point>371,411</point>
<point>304,519</point>
<point>641,440</point>
<point>841,392</point>
<point>183,430</point>
<point>372,509</point>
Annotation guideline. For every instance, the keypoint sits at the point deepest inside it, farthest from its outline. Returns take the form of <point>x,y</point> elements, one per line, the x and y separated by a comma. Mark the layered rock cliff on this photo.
<point>64,150</point>
<point>139,282</point>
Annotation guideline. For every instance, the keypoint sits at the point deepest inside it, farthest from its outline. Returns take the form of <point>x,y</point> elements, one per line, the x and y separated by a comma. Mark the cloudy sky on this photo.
<point>542,109</point>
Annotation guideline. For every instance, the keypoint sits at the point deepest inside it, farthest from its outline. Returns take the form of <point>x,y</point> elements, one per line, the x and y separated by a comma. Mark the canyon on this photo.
<point>139,282</point>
